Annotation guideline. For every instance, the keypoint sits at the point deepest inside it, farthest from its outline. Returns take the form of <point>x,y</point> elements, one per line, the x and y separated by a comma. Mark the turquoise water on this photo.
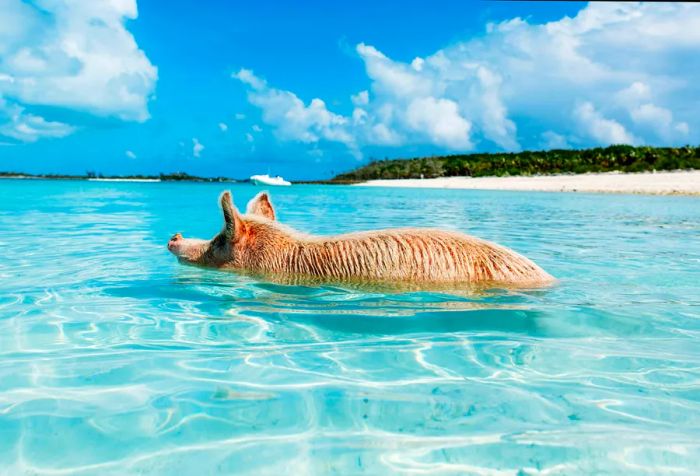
<point>115,359</point>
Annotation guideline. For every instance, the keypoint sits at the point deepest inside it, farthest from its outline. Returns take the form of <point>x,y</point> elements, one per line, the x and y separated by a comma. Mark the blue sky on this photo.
<point>308,89</point>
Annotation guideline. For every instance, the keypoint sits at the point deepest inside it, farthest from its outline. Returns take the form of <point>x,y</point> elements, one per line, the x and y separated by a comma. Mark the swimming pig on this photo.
<point>256,243</point>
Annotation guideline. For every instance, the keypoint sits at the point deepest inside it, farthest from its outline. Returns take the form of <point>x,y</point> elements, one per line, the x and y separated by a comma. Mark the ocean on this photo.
<point>116,359</point>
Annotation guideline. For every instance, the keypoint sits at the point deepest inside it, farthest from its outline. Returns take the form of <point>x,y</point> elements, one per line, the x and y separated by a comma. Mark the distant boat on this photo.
<point>267,180</point>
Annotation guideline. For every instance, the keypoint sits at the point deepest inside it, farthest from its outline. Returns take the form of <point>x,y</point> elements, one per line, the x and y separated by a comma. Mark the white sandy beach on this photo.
<point>657,183</point>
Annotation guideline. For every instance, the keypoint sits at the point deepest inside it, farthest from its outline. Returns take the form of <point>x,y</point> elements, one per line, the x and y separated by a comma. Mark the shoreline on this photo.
<point>117,179</point>
<point>647,183</point>
<point>123,180</point>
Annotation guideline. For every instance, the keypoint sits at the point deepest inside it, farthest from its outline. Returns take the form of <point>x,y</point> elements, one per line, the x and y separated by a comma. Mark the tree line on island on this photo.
<point>621,158</point>
<point>615,158</point>
<point>91,175</point>
<point>171,177</point>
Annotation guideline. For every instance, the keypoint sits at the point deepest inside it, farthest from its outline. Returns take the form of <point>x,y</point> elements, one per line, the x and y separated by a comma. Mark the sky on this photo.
<point>311,89</point>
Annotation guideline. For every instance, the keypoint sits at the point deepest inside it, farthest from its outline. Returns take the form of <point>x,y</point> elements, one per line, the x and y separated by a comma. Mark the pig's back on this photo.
<point>417,255</point>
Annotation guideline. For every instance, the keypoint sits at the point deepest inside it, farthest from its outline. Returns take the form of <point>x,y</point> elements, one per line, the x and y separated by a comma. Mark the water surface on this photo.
<point>116,359</point>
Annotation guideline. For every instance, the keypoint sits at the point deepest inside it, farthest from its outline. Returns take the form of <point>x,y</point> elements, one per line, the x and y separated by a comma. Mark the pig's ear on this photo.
<point>261,205</point>
<point>232,219</point>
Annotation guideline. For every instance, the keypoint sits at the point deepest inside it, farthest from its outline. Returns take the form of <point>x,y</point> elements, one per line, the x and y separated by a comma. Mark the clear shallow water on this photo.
<point>115,359</point>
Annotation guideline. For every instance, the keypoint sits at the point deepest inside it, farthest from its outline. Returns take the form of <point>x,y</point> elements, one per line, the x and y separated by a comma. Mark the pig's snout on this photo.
<point>187,249</point>
<point>175,241</point>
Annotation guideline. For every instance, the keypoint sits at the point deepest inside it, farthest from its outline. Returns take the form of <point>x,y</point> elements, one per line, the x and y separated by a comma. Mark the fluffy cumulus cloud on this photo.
<point>17,124</point>
<point>291,118</point>
<point>69,54</point>
<point>601,129</point>
<point>613,73</point>
<point>197,148</point>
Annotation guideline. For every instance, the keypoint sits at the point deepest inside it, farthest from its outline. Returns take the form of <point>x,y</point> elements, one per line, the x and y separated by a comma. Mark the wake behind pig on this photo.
<point>256,243</point>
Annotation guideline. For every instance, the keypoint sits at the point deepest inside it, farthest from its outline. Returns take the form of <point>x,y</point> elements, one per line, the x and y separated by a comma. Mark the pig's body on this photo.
<point>412,255</point>
<point>256,243</point>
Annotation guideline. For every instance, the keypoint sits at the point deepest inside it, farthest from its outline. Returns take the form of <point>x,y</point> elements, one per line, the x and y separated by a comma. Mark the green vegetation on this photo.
<point>171,177</point>
<point>623,158</point>
<point>182,176</point>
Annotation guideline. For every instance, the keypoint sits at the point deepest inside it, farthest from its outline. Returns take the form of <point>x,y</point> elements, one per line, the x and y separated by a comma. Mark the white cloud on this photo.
<point>248,77</point>
<point>239,116</point>
<point>633,94</point>
<point>223,126</point>
<point>361,98</point>
<point>494,116</point>
<point>659,120</point>
<point>552,140</point>
<point>256,128</point>
<point>613,73</point>
<point>393,78</point>
<point>650,119</point>
<point>417,64</point>
<point>440,120</point>
<point>249,137</point>
<point>72,55</point>
<point>381,134</point>
<point>601,129</point>
<point>130,154</point>
<point>197,148</point>
<point>17,124</point>
<point>293,119</point>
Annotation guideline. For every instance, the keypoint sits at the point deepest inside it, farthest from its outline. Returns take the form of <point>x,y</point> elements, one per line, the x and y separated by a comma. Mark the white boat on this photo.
<point>267,180</point>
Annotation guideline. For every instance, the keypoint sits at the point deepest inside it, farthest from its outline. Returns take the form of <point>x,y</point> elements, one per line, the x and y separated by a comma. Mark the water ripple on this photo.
<point>107,343</point>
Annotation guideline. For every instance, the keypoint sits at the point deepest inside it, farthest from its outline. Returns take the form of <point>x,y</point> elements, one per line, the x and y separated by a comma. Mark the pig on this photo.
<point>256,243</point>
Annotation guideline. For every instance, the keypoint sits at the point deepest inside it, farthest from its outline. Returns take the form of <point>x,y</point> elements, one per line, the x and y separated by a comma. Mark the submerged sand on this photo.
<point>655,183</point>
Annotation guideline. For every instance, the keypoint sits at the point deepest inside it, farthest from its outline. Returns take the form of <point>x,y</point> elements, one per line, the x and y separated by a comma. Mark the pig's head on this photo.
<point>241,237</point>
